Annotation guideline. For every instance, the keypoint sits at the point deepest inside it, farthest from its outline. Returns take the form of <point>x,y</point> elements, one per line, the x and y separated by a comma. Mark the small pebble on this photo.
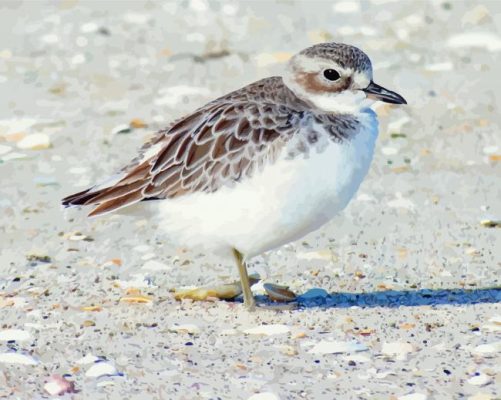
<point>490,223</point>
<point>137,123</point>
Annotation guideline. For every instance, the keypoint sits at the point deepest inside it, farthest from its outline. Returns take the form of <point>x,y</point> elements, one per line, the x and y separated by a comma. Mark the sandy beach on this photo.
<point>399,295</point>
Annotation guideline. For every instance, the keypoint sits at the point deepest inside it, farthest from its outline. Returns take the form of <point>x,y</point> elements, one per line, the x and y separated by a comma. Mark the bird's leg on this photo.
<point>249,301</point>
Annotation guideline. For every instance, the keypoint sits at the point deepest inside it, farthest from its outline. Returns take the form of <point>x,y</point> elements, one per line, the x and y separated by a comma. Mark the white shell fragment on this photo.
<point>336,347</point>
<point>36,141</point>
<point>14,334</point>
<point>57,385</point>
<point>101,368</point>
<point>493,325</point>
<point>399,350</point>
<point>484,40</point>
<point>479,380</point>
<point>268,330</point>
<point>153,265</point>
<point>487,349</point>
<point>88,359</point>
<point>124,128</point>
<point>17,358</point>
<point>4,149</point>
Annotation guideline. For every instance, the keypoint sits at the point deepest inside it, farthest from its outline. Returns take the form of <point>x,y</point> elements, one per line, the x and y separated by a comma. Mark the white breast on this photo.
<point>284,202</point>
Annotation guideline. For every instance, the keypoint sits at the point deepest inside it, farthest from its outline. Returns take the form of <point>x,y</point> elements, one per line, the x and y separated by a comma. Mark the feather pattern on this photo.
<point>227,140</point>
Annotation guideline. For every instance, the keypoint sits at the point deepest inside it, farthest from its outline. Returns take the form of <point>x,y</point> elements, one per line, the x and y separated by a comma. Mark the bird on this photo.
<point>261,166</point>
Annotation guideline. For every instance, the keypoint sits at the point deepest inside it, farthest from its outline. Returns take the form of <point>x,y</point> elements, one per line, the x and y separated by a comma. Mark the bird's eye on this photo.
<point>331,74</point>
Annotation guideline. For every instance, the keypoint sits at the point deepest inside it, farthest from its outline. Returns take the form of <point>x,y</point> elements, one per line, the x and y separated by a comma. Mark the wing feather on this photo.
<point>225,141</point>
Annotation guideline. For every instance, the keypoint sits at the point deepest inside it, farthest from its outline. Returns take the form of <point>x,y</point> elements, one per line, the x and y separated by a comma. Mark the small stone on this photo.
<point>38,258</point>
<point>137,123</point>
<point>77,236</point>
<point>14,334</point>
<point>490,223</point>
<point>479,380</point>
<point>336,347</point>
<point>101,368</point>
<point>35,141</point>
<point>398,349</point>
<point>268,330</point>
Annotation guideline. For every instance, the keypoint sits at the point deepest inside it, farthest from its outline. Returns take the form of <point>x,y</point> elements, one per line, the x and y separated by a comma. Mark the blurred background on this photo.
<point>84,83</point>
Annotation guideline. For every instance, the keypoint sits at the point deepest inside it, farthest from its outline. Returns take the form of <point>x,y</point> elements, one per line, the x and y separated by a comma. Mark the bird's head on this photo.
<point>337,78</point>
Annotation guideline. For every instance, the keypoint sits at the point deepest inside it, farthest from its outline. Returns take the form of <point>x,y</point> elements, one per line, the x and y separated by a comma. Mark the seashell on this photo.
<point>225,292</point>
<point>279,293</point>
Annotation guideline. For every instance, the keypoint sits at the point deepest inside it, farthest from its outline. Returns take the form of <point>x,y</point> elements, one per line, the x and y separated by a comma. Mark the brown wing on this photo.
<point>217,145</point>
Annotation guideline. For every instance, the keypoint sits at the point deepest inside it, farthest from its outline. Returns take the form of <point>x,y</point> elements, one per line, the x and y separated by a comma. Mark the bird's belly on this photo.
<point>282,203</point>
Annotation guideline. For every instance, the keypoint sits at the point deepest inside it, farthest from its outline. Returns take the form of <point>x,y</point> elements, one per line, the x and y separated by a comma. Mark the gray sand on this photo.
<point>415,305</point>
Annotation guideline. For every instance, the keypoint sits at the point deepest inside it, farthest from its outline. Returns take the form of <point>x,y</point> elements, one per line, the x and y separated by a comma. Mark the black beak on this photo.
<point>380,93</point>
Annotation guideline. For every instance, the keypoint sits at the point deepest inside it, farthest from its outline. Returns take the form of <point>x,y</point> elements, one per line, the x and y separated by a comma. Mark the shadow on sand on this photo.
<point>317,297</point>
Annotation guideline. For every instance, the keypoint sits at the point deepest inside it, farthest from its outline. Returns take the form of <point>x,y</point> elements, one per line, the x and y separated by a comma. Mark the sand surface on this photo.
<point>401,292</point>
